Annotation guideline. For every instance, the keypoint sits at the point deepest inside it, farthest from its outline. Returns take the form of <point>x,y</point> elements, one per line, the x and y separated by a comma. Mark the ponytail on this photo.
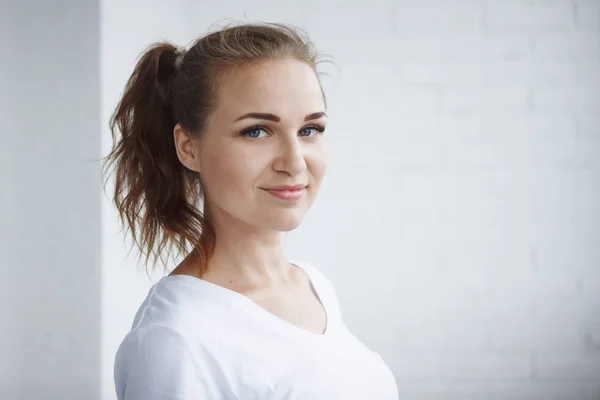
<point>154,193</point>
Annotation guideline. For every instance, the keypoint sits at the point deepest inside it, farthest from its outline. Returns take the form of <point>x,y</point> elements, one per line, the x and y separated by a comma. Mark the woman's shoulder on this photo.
<point>175,302</point>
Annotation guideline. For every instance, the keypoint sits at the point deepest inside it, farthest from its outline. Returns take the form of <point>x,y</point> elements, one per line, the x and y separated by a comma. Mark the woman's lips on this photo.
<point>289,195</point>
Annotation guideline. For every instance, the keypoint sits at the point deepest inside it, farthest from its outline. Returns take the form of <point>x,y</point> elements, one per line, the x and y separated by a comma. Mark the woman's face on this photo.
<point>264,133</point>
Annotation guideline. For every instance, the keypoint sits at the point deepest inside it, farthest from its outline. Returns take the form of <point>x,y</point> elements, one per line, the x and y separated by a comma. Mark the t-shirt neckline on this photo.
<point>248,305</point>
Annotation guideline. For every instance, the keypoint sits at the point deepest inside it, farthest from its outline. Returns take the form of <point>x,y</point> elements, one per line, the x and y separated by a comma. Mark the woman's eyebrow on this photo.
<point>316,115</point>
<point>275,118</point>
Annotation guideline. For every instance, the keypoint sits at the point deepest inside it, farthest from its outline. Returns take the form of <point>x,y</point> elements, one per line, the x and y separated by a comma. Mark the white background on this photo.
<point>459,221</point>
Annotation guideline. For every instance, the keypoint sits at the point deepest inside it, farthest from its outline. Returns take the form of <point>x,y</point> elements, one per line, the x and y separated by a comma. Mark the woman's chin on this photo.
<point>288,223</point>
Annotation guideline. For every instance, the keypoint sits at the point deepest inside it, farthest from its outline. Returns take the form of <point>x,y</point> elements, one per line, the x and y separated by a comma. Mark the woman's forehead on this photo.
<point>272,87</point>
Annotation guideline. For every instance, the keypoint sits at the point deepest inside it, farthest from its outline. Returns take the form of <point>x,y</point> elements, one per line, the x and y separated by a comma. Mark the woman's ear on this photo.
<point>187,148</point>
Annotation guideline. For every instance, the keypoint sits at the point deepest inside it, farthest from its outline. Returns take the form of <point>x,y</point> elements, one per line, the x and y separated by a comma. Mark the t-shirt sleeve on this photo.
<point>156,363</point>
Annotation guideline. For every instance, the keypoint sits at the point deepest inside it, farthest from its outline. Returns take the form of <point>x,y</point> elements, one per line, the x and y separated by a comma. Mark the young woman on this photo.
<point>237,123</point>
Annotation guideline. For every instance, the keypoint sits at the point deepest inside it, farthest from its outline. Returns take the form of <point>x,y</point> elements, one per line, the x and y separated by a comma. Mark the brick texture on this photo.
<point>475,126</point>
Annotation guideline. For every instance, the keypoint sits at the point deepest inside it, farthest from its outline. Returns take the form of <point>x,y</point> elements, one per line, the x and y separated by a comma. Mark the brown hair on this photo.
<point>155,194</point>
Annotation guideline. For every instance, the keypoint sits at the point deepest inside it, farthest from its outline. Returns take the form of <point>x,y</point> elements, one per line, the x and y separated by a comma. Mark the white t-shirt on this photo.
<point>192,339</point>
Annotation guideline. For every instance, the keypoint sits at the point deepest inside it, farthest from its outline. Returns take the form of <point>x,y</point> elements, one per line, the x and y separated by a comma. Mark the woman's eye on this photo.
<point>316,129</point>
<point>253,133</point>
